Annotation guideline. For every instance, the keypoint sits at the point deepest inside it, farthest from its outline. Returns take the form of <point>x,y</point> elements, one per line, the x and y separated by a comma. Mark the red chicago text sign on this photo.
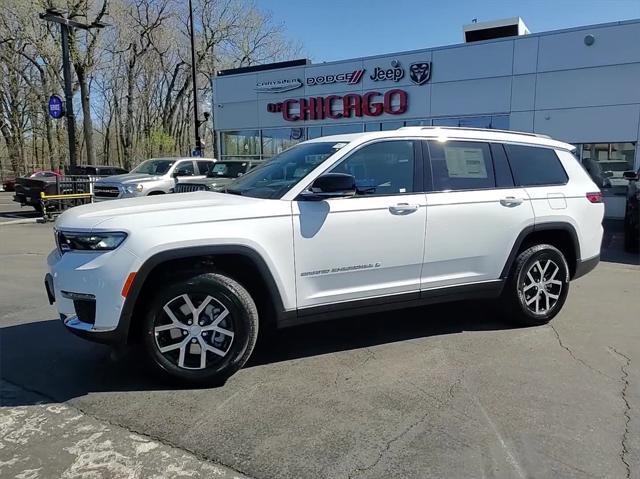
<point>373,103</point>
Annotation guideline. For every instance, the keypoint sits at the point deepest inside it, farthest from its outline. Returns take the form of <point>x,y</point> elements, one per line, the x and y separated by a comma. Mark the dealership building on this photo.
<point>580,85</point>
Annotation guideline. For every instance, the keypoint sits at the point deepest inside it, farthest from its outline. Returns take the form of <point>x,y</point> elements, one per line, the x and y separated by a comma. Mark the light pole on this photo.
<point>55,16</point>
<point>196,115</point>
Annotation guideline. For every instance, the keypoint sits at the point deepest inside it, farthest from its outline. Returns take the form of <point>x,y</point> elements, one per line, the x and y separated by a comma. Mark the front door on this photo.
<point>368,245</point>
<point>474,213</point>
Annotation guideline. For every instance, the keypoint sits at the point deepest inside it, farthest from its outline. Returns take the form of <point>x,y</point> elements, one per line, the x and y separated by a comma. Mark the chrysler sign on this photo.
<point>278,86</point>
<point>373,103</point>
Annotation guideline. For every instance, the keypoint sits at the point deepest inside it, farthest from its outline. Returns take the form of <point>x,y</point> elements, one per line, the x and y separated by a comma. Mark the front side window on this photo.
<point>382,168</point>
<point>278,175</point>
<point>461,165</point>
<point>153,167</point>
<point>535,166</point>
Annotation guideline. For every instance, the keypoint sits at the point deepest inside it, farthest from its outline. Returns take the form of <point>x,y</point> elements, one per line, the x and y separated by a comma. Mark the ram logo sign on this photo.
<point>420,72</point>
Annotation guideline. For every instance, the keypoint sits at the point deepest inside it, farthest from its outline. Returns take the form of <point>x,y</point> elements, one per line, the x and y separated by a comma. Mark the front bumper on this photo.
<point>87,290</point>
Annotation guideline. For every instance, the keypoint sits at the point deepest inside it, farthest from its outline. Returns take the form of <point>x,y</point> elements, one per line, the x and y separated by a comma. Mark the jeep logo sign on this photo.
<point>395,73</point>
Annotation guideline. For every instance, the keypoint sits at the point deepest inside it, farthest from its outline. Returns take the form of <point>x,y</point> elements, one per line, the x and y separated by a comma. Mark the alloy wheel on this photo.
<point>541,287</point>
<point>194,331</point>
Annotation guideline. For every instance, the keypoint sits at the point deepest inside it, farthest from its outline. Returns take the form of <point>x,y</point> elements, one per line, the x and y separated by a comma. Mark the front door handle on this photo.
<point>511,201</point>
<point>403,209</point>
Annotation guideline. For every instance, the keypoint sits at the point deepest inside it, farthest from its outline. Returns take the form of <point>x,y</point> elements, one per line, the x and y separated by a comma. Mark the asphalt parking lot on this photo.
<point>447,391</point>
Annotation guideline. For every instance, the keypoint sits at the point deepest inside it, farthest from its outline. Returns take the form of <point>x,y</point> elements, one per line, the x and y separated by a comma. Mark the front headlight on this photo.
<point>131,189</point>
<point>103,241</point>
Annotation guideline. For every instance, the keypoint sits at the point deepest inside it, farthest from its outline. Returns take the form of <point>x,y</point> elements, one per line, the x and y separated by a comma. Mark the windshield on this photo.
<point>227,169</point>
<point>277,176</point>
<point>153,167</point>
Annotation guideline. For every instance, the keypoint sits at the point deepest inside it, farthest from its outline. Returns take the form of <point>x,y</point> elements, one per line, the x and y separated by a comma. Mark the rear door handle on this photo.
<point>511,201</point>
<point>403,209</point>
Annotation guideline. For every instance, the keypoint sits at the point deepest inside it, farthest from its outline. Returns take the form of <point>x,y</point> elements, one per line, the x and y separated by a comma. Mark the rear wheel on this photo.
<point>201,329</point>
<point>537,286</point>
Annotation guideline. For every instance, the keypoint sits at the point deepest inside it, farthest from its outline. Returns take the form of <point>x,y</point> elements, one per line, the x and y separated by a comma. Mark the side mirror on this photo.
<point>331,185</point>
<point>630,175</point>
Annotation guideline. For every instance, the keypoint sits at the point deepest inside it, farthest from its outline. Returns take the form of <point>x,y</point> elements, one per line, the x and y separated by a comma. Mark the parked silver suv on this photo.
<point>152,177</point>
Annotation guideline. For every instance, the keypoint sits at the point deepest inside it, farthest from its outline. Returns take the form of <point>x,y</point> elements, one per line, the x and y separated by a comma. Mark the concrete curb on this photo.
<point>21,221</point>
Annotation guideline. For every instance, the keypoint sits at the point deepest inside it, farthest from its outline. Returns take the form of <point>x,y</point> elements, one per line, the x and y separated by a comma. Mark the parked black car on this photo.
<point>77,180</point>
<point>632,213</point>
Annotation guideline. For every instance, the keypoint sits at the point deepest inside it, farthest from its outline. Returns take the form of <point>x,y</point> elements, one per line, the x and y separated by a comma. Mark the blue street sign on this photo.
<point>55,107</point>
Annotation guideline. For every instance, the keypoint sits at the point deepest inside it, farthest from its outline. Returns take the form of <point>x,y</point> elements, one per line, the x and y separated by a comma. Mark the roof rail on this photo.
<point>464,128</point>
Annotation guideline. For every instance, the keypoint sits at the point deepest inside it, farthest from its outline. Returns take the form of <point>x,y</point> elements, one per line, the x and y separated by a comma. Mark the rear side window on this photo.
<point>534,166</point>
<point>461,165</point>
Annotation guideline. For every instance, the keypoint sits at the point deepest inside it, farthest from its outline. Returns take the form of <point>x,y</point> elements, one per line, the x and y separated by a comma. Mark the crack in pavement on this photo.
<point>575,358</point>
<point>109,422</point>
<point>627,409</point>
<point>359,470</point>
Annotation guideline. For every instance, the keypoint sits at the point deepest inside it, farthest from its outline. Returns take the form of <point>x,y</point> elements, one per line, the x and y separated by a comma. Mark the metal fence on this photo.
<point>70,191</point>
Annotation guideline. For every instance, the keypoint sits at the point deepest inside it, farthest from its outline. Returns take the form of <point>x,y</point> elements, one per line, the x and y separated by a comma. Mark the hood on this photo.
<point>165,210</point>
<point>128,178</point>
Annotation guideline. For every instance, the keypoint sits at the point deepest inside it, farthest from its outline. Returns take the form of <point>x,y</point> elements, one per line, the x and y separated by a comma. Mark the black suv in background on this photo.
<point>632,213</point>
<point>219,175</point>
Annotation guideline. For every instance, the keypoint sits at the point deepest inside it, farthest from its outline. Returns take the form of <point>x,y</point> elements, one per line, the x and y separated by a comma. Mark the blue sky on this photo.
<point>338,29</point>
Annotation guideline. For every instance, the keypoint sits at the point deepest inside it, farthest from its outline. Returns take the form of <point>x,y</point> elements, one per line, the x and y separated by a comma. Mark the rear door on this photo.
<point>541,173</point>
<point>474,212</point>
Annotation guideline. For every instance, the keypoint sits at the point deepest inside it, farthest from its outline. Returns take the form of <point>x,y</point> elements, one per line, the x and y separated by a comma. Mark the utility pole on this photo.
<point>54,15</point>
<point>196,115</point>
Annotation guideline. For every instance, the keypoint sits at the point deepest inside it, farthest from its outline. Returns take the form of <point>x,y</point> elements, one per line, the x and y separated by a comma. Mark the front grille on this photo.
<point>188,187</point>
<point>100,191</point>
<point>85,310</point>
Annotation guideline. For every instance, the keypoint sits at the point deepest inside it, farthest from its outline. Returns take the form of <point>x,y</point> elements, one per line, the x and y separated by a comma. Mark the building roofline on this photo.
<point>462,45</point>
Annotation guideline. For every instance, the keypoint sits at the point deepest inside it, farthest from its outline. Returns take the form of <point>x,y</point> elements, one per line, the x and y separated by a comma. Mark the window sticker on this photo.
<point>465,162</point>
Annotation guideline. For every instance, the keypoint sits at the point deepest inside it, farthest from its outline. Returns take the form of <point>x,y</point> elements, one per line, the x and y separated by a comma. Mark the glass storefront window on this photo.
<point>606,163</point>
<point>277,140</point>
<point>242,142</point>
<point>342,129</point>
<point>392,125</point>
<point>372,127</point>
<point>418,122</point>
<point>314,132</point>
<point>499,122</point>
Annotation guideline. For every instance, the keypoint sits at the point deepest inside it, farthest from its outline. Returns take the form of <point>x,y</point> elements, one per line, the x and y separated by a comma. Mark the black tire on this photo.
<point>241,319</point>
<point>517,292</point>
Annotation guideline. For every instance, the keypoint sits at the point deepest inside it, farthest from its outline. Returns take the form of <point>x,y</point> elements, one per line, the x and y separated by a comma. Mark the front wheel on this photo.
<point>201,329</point>
<point>537,286</point>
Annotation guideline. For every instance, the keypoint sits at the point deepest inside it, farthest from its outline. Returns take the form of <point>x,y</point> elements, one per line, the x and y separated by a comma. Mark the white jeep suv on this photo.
<point>333,227</point>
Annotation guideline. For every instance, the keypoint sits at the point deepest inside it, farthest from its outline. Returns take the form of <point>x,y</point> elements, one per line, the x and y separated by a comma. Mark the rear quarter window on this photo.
<point>535,166</point>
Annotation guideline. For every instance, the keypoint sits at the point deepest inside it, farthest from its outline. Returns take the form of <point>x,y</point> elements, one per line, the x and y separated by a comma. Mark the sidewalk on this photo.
<point>54,440</point>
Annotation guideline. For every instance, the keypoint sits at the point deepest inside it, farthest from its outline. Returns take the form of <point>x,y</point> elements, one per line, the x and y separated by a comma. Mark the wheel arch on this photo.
<point>562,235</point>
<point>249,268</point>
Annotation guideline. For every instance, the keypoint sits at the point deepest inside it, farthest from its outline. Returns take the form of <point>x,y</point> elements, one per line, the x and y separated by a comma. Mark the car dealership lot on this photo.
<point>447,391</point>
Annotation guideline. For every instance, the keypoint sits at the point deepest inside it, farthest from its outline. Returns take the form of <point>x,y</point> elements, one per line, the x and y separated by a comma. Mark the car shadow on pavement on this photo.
<point>44,358</point>
<point>374,329</point>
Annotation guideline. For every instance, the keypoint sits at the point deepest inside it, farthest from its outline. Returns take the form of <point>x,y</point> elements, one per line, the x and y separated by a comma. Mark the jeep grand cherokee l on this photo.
<point>332,227</point>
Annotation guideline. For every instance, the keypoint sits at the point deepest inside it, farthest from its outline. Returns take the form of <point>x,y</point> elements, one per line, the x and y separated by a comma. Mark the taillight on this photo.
<point>595,197</point>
